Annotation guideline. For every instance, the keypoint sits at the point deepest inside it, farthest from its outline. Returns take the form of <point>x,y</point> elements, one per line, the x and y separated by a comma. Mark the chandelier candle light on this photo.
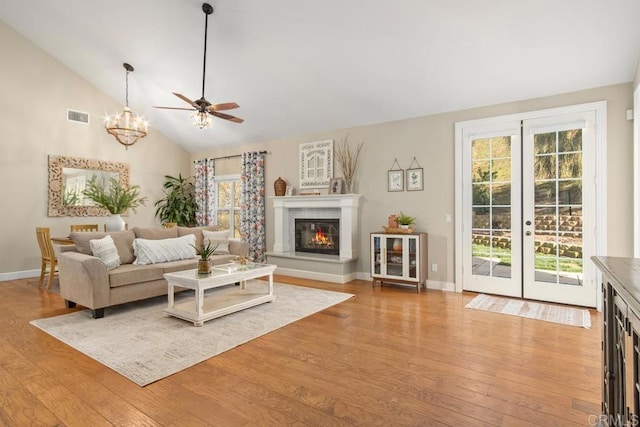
<point>126,127</point>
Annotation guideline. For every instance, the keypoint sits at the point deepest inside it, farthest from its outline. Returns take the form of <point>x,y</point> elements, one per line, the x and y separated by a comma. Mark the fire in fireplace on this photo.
<point>321,236</point>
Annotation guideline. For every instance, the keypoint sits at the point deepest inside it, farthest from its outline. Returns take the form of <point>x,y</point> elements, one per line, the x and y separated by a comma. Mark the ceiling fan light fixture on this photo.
<point>201,119</point>
<point>126,127</point>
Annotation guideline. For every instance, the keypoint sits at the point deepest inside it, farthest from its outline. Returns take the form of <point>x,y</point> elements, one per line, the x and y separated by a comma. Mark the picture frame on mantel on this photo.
<point>335,186</point>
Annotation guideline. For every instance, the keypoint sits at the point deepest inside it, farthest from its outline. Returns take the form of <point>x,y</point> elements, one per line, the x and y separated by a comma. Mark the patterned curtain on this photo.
<point>252,223</point>
<point>205,192</point>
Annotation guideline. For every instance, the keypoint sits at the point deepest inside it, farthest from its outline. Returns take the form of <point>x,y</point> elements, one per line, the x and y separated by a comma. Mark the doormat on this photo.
<point>533,310</point>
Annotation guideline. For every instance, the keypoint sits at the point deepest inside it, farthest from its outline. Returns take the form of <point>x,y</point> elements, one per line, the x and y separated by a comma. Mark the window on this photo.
<point>228,190</point>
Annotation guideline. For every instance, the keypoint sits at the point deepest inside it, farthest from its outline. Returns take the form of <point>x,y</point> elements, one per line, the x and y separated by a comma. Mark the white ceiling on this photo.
<point>298,67</point>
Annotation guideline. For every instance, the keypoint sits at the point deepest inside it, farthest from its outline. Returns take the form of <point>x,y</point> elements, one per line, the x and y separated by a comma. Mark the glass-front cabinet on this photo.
<point>399,258</point>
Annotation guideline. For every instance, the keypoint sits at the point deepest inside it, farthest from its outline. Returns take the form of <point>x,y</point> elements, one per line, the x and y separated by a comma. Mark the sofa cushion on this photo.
<point>155,233</point>
<point>219,238</point>
<point>106,251</point>
<point>129,274</point>
<point>156,251</point>
<point>196,231</point>
<point>122,239</point>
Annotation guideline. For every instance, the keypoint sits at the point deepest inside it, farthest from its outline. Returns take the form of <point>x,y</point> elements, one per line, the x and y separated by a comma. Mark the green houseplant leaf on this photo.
<point>179,204</point>
<point>405,219</point>
<point>113,196</point>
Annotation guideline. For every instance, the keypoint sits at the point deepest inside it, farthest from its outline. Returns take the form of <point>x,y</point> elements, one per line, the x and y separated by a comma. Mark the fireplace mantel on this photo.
<point>345,205</point>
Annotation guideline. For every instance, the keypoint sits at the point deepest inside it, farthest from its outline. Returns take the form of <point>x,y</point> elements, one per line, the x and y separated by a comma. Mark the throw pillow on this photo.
<point>155,233</point>
<point>163,250</point>
<point>105,249</point>
<point>197,231</point>
<point>220,238</point>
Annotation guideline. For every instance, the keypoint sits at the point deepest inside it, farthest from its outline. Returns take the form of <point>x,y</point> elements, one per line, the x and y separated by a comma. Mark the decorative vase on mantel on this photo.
<point>114,223</point>
<point>280,187</point>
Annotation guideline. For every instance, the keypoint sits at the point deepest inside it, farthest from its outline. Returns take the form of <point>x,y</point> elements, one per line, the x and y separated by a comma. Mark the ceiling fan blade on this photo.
<point>174,108</point>
<point>222,107</point>
<point>226,117</point>
<point>187,100</point>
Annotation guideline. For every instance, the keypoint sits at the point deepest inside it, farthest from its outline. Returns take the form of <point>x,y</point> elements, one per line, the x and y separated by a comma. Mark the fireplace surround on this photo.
<point>340,267</point>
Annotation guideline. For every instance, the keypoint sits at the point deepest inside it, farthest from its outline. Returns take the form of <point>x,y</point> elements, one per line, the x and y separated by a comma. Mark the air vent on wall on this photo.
<point>77,116</point>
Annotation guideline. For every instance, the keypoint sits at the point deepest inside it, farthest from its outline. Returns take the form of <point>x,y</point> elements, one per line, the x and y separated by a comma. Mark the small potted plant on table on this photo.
<point>205,263</point>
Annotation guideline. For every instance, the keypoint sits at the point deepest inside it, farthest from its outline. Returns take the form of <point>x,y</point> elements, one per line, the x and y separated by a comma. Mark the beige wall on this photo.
<point>35,92</point>
<point>431,140</point>
<point>32,84</point>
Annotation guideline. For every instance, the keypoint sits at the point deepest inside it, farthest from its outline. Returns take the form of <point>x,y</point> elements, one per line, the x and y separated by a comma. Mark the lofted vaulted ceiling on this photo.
<point>298,67</point>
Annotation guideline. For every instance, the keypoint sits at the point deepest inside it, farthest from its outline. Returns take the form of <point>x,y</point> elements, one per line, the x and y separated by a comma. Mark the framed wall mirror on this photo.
<point>67,179</point>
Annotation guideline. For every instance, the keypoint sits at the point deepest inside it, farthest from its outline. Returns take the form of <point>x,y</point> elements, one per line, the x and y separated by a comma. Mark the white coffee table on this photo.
<point>223,301</point>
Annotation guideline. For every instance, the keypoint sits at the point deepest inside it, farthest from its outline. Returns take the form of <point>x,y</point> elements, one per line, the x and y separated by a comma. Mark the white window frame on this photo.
<point>216,182</point>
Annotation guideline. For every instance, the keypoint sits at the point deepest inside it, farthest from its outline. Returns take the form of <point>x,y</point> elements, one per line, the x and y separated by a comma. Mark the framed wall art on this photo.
<point>395,177</point>
<point>415,176</point>
<point>316,164</point>
<point>415,179</point>
<point>396,180</point>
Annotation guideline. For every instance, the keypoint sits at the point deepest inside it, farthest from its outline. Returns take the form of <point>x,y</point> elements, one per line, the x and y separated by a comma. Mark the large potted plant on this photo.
<point>179,204</point>
<point>114,197</point>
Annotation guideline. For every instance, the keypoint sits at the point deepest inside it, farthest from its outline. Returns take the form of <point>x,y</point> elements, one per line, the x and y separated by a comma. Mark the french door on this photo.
<point>528,208</point>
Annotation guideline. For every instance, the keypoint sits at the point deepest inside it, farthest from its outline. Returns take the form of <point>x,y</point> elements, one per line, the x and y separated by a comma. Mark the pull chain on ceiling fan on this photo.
<point>203,109</point>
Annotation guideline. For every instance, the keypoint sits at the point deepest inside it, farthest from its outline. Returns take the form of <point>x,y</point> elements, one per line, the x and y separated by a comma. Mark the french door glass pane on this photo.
<point>491,206</point>
<point>558,207</point>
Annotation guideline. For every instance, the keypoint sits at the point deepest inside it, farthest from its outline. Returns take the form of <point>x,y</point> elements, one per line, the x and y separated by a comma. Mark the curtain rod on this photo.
<point>230,157</point>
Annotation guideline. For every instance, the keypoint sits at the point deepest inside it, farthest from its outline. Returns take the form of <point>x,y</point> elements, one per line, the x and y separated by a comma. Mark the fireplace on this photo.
<point>320,236</point>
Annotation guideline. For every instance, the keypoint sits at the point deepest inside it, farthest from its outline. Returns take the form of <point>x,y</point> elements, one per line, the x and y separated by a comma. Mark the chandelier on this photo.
<point>126,127</point>
<point>202,119</point>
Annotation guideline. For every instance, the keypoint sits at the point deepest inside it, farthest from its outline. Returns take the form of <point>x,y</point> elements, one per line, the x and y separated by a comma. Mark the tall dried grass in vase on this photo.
<point>347,158</point>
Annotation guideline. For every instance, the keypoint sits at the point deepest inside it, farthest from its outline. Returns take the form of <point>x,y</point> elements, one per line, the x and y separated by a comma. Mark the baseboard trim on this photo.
<point>313,275</point>
<point>13,275</point>
<point>431,284</point>
<point>441,286</point>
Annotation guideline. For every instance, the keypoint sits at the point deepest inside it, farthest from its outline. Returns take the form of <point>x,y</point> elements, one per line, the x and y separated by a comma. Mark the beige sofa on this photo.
<point>85,279</point>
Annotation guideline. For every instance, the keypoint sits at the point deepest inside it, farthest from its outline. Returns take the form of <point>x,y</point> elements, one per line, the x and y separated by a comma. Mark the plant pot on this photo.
<point>114,223</point>
<point>204,266</point>
<point>404,226</point>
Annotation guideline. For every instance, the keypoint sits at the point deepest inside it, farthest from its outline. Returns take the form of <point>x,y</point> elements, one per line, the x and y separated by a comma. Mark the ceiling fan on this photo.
<point>203,109</point>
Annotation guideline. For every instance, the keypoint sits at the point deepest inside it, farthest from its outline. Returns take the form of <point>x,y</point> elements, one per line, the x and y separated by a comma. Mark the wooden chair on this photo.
<point>169,224</point>
<point>49,259</point>
<point>84,227</point>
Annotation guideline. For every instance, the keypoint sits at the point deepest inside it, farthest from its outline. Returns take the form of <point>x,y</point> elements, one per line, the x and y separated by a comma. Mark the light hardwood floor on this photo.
<point>389,356</point>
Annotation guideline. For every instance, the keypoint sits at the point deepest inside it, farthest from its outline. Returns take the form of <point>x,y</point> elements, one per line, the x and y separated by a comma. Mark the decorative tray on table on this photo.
<point>394,230</point>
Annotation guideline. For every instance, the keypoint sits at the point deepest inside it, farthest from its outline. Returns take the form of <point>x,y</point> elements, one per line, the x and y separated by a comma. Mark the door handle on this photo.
<point>528,222</point>
<point>527,233</point>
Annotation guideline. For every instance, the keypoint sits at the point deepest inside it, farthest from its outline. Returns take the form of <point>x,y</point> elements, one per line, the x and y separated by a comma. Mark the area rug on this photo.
<point>533,310</point>
<point>141,342</point>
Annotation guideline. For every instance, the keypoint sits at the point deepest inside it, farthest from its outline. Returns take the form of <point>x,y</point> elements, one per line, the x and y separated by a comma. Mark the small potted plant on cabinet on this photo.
<point>405,221</point>
<point>205,263</point>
